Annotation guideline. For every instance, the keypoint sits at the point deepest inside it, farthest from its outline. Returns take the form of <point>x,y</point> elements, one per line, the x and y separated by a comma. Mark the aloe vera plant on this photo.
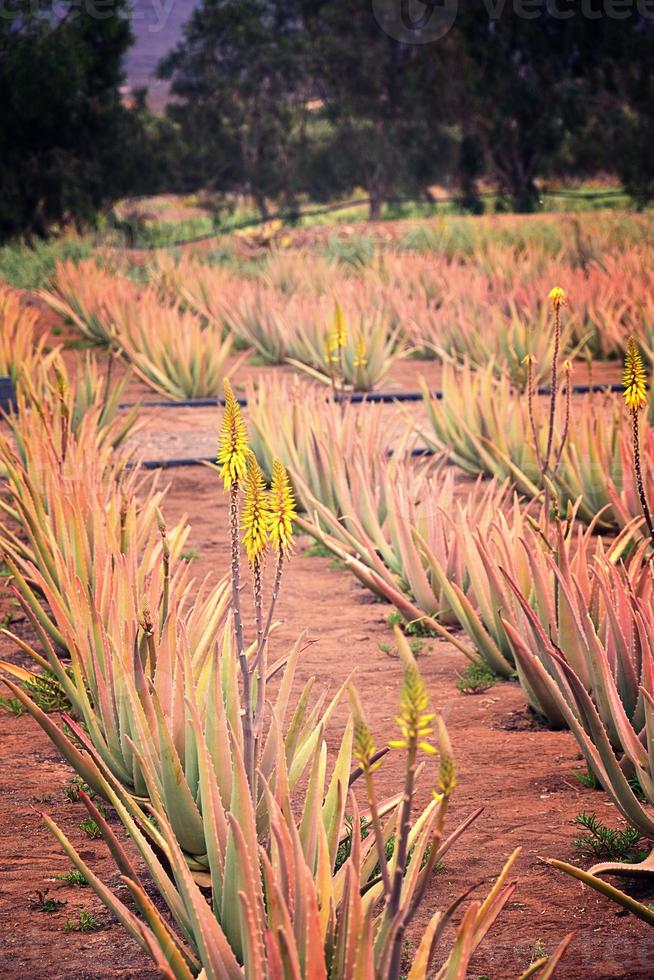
<point>75,501</point>
<point>312,434</point>
<point>88,296</point>
<point>68,397</point>
<point>347,348</point>
<point>20,351</point>
<point>282,902</point>
<point>171,349</point>
<point>482,424</point>
<point>391,520</point>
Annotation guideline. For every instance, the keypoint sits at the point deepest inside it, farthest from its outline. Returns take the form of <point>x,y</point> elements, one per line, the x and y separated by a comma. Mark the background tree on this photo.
<point>385,100</point>
<point>238,76</point>
<point>67,143</point>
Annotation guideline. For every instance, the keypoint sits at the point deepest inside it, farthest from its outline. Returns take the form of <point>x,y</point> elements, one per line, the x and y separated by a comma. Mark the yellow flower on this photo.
<point>363,743</point>
<point>634,379</point>
<point>557,298</point>
<point>233,446</point>
<point>337,338</point>
<point>282,510</point>
<point>414,720</point>
<point>256,511</point>
<point>447,777</point>
<point>360,359</point>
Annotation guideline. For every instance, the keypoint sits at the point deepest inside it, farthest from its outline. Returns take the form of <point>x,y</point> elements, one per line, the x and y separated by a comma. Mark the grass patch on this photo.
<point>26,267</point>
<point>85,922</point>
<point>73,877</point>
<point>476,678</point>
<point>606,843</point>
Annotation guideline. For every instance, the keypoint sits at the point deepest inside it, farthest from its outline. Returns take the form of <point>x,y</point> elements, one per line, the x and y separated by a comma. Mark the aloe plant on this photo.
<point>312,434</point>
<point>88,296</point>
<point>600,674</point>
<point>282,901</point>
<point>171,349</point>
<point>20,350</point>
<point>395,519</point>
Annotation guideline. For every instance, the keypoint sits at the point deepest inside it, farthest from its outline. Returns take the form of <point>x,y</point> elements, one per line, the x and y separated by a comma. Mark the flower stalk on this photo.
<point>365,753</point>
<point>232,457</point>
<point>557,299</point>
<point>635,395</point>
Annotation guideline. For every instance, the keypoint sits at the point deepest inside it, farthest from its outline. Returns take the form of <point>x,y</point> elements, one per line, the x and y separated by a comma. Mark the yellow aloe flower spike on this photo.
<point>634,379</point>
<point>256,511</point>
<point>363,743</point>
<point>360,359</point>
<point>233,445</point>
<point>282,510</point>
<point>447,778</point>
<point>414,720</point>
<point>339,327</point>
<point>557,298</point>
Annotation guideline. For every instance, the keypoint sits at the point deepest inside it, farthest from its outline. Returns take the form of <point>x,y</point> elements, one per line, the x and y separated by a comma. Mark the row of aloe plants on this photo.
<point>171,722</point>
<point>179,329</point>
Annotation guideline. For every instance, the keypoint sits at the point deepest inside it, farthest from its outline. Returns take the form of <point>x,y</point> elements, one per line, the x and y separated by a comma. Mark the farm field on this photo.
<point>411,451</point>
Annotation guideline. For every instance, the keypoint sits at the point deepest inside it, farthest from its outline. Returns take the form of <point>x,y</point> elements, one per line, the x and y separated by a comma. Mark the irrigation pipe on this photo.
<point>185,461</point>
<point>359,397</point>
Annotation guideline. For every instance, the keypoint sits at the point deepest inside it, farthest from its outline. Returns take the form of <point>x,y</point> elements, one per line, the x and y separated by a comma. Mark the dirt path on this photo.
<point>521,774</point>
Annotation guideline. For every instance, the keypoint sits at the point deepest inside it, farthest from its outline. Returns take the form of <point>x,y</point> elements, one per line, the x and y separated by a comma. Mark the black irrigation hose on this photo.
<point>185,461</point>
<point>360,397</point>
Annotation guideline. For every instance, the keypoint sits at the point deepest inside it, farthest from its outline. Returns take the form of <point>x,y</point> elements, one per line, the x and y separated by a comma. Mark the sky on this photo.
<point>157,26</point>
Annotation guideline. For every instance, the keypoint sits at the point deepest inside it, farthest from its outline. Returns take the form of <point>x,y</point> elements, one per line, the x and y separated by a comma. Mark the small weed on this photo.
<point>319,550</point>
<point>191,554</point>
<point>73,877</point>
<point>390,650</point>
<point>41,903</point>
<point>73,788</point>
<point>86,922</point>
<point>13,705</point>
<point>90,828</point>
<point>587,779</point>
<point>539,951</point>
<point>416,628</point>
<point>47,693</point>
<point>601,841</point>
<point>346,847</point>
<point>476,678</point>
<point>46,798</point>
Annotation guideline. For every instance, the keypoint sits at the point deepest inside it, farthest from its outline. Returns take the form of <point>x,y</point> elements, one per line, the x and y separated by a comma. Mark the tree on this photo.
<point>65,137</point>
<point>385,99</point>
<point>538,83</point>
<point>237,78</point>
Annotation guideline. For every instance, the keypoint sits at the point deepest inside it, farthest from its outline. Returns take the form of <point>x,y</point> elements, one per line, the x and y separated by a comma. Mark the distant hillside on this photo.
<point>157,26</point>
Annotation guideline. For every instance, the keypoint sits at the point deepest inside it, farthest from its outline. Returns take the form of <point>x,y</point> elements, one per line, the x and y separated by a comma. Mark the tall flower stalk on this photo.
<point>232,458</point>
<point>416,724</point>
<point>557,299</point>
<point>266,522</point>
<point>280,514</point>
<point>549,462</point>
<point>635,395</point>
<point>335,347</point>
